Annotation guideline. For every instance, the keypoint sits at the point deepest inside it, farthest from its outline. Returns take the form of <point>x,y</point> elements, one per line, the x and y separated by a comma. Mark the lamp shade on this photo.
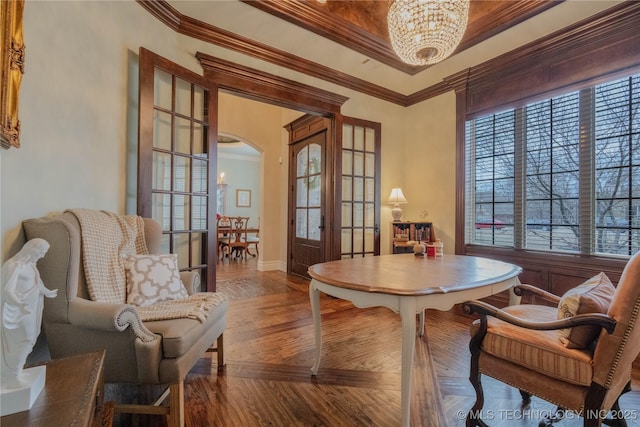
<point>396,197</point>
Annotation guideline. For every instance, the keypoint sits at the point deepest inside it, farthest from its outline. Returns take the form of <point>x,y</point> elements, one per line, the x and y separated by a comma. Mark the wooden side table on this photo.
<point>72,394</point>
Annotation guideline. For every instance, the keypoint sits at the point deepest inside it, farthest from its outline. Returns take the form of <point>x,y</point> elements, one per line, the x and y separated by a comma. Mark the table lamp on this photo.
<point>396,198</point>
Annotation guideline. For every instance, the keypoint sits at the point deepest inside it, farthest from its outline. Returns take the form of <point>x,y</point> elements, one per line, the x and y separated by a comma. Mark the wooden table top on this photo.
<point>69,395</point>
<point>407,274</point>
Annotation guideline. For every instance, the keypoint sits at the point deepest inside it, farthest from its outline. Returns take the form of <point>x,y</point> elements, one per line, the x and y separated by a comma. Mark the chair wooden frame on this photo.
<point>223,223</point>
<point>232,237</point>
<point>238,239</point>
<point>595,394</point>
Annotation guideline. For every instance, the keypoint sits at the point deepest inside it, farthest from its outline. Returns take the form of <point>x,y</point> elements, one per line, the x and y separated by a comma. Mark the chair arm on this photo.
<point>483,309</point>
<point>524,289</point>
<point>108,317</point>
<point>191,280</point>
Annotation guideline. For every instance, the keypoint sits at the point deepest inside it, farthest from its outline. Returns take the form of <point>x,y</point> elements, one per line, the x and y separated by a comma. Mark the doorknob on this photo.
<point>321,227</point>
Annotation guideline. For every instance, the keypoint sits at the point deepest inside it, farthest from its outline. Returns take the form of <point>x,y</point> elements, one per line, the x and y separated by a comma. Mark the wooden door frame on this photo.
<point>148,62</point>
<point>260,86</point>
<point>300,130</point>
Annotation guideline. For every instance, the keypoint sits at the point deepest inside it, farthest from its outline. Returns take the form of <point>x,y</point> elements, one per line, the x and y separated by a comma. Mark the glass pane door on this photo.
<point>308,192</point>
<point>180,168</point>
<point>360,205</point>
<point>175,163</point>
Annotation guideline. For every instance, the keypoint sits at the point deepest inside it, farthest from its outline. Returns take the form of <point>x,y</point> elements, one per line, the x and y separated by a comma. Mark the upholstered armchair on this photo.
<point>579,360</point>
<point>159,351</point>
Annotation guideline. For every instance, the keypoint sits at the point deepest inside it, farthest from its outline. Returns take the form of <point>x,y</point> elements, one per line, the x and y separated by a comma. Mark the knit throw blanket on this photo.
<point>194,306</point>
<point>107,239</point>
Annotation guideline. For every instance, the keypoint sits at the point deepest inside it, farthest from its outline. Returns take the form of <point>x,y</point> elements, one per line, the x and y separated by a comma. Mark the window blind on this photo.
<point>560,174</point>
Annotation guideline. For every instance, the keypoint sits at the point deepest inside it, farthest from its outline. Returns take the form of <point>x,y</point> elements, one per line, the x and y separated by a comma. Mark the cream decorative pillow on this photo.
<point>593,296</point>
<point>153,278</point>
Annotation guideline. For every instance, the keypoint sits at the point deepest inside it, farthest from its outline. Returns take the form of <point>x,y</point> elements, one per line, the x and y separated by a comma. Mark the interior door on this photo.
<point>308,193</point>
<point>359,188</point>
<point>177,162</point>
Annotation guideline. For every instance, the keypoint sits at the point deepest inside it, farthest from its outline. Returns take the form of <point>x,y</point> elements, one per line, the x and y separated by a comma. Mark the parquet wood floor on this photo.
<point>269,351</point>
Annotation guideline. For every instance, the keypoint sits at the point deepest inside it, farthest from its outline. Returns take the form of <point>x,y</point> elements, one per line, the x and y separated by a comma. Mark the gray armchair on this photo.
<point>149,352</point>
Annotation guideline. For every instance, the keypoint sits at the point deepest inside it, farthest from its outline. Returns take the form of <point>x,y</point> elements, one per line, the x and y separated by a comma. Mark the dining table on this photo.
<point>407,284</point>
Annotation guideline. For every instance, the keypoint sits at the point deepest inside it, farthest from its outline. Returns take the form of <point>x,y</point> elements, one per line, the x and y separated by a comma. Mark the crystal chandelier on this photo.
<point>424,32</point>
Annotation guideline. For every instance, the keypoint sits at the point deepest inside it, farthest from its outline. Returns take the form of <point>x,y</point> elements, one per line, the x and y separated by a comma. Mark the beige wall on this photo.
<point>429,154</point>
<point>261,125</point>
<point>78,108</point>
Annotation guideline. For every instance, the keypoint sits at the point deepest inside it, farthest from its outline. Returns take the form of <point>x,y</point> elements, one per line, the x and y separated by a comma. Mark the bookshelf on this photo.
<point>414,232</point>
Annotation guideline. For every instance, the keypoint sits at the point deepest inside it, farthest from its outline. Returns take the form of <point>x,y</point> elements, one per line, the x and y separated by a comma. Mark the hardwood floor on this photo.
<point>269,352</point>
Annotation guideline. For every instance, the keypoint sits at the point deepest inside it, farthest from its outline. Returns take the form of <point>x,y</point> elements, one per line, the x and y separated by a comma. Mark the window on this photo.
<point>560,174</point>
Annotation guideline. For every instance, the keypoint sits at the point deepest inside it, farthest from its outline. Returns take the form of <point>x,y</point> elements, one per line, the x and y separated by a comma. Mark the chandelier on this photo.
<point>424,32</point>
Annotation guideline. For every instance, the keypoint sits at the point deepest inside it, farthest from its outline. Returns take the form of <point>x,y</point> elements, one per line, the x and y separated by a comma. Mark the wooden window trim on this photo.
<point>592,51</point>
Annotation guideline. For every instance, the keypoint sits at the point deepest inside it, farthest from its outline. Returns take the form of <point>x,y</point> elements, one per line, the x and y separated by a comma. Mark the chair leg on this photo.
<point>176,404</point>
<point>219,349</point>
<point>526,397</point>
<point>616,421</point>
<point>220,352</point>
<point>475,347</point>
<point>557,415</point>
<point>175,392</point>
<point>473,417</point>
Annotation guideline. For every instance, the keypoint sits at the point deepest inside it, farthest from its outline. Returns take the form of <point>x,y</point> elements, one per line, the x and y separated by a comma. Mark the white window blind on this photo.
<point>561,174</point>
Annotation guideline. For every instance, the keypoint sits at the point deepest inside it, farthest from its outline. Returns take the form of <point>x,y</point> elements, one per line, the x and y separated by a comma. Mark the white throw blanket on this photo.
<point>107,239</point>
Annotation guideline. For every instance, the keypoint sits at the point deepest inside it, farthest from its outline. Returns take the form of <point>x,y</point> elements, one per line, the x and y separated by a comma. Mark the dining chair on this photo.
<point>576,353</point>
<point>254,240</point>
<point>223,228</point>
<point>237,244</point>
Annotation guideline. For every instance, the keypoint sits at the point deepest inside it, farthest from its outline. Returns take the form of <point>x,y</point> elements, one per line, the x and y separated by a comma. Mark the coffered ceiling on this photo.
<point>362,25</point>
<point>345,43</point>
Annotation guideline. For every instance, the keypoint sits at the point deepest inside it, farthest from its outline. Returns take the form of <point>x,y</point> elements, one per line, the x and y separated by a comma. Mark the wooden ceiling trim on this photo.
<point>315,18</point>
<point>335,28</point>
<point>191,27</point>
<point>605,44</point>
<point>428,93</point>
<point>263,86</point>
<point>594,31</point>
<point>206,32</point>
<point>166,13</point>
<point>509,15</point>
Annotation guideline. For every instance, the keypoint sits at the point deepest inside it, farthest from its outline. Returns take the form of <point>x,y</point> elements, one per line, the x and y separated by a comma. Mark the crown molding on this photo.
<point>557,41</point>
<point>191,27</point>
<point>311,17</point>
<point>260,85</point>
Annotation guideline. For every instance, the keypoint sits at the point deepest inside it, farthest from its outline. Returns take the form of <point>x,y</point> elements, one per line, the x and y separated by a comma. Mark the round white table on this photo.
<point>407,284</point>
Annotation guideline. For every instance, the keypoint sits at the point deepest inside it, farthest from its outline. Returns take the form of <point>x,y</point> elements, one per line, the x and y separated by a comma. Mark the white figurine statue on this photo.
<point>22,302</point>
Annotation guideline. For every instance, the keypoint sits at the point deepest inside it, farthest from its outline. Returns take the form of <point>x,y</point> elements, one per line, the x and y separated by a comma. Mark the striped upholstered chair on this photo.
<point>580,361</point>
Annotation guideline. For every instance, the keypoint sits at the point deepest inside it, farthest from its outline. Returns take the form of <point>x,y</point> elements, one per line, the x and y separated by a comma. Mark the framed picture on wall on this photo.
<point>243,198</point>
<point>12,69</point>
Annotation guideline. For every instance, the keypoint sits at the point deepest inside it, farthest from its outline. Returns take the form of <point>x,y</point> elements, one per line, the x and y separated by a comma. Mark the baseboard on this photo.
<point>270,265</point>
